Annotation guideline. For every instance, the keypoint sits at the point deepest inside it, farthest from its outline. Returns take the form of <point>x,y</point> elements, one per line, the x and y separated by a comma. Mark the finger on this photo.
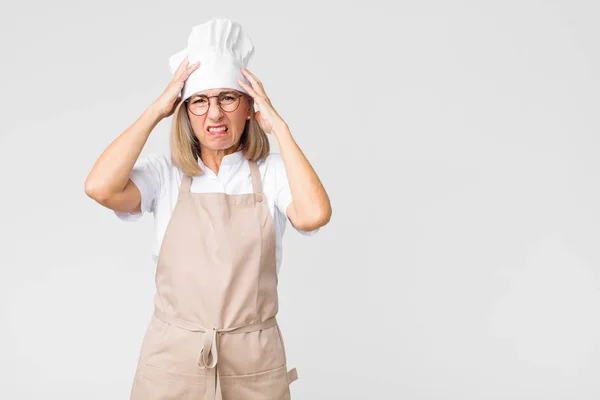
<point>177,101</point>
<point>250,90</point>
<point>188,71</point>
<point>252,75</point>
<point>181,67</point>
<point>254,81</point>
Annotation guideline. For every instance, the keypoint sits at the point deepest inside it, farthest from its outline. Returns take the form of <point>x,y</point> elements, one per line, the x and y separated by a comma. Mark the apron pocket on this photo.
<point>267,385</point>
<point>171,349</point>
<point>152,383</point>
<point>251,352</point>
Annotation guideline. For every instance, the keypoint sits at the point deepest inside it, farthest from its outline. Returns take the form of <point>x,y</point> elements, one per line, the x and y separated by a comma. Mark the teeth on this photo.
<point>217,129</point>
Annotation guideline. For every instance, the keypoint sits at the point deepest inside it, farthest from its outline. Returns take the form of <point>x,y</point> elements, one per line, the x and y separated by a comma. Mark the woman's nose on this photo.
<point>214,111</point>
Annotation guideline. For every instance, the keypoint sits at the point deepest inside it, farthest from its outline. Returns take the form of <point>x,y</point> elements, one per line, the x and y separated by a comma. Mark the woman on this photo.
<point>218,206</point>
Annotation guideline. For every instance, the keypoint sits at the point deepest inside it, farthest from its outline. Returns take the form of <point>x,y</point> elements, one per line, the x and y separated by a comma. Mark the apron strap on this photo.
<point>186,183</point>
<point>292,375</point>
<point>256,180</point>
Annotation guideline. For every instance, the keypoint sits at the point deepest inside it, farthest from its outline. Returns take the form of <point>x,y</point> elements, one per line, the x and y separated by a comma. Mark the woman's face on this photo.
<point>234,121</point>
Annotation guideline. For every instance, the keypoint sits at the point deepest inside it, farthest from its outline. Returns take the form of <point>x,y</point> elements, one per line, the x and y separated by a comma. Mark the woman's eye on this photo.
<point>199,101</point>
<point>228,98</point>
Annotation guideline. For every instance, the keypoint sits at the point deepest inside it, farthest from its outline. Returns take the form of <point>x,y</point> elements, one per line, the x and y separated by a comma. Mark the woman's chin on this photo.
<point>219,143</point>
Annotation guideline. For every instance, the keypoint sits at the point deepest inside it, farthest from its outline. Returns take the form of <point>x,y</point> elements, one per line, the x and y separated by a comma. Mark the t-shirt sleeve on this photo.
<point>147,174</point>
<point>284,193</point>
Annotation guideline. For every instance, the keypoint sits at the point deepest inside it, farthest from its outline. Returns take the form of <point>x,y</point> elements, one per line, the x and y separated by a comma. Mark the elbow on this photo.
<point>90,189</point>
<point>315,221</point>
<point>94,192</point>
<point>325,216</point>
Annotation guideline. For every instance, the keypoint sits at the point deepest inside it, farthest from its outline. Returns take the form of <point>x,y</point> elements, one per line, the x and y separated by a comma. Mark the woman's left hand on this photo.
<point>266,115</point>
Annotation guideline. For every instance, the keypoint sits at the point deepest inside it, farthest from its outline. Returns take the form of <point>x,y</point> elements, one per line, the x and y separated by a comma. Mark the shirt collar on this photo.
<point>227,161</point>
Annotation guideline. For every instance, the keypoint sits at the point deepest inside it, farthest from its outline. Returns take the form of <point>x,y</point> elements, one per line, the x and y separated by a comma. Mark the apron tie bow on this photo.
<point>208,357</point>
<point>209,354</point>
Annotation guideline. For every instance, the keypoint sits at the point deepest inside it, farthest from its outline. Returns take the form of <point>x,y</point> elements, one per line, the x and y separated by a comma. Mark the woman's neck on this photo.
<point>212,158</point>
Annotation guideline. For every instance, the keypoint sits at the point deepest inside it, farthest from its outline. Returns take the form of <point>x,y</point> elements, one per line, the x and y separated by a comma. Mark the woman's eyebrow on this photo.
<point>218,94</point>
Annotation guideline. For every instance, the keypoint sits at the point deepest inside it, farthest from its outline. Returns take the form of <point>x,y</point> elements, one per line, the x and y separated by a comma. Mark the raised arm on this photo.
<point>108,182</point>
<point>310,207</point>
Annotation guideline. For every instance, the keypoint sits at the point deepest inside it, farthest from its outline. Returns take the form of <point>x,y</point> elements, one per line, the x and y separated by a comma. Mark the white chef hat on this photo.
<point>222,47</point>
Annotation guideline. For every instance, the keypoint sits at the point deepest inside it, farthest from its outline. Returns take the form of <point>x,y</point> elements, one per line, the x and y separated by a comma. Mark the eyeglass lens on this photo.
<point>199,104</point>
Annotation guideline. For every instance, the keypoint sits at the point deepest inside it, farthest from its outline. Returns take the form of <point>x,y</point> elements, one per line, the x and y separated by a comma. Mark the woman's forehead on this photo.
<point>214,92</point>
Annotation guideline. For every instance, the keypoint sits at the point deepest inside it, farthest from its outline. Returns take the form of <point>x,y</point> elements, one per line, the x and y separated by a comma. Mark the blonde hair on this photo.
<point>185,147</point>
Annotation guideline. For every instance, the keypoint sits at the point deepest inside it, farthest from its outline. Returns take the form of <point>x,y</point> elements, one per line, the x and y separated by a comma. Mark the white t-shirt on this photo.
<point>158,181</point>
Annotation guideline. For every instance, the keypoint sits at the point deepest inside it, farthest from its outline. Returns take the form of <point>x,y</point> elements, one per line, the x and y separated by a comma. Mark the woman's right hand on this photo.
<point>170,98</point>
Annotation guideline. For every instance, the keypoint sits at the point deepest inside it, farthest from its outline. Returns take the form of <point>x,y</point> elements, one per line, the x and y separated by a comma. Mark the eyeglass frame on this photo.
<point>236,93</point>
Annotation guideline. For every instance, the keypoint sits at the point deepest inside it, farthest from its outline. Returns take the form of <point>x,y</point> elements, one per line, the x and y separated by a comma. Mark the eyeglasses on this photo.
<point>199,104</point>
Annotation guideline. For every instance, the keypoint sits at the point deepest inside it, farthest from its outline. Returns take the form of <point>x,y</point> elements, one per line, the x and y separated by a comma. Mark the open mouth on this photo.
<point>221,130</point>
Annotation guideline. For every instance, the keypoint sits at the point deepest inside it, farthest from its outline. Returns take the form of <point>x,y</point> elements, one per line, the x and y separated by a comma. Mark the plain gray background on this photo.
<point>458,143</point>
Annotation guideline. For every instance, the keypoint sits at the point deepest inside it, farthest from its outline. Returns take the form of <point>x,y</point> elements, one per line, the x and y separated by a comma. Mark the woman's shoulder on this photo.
<point>156,160</point>
<point>272,160</point>
<point>271,166</point>
<point>161,166</point>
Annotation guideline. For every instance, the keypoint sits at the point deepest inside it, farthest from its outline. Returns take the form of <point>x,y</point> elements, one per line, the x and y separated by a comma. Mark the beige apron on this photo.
<point>213,334</point>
